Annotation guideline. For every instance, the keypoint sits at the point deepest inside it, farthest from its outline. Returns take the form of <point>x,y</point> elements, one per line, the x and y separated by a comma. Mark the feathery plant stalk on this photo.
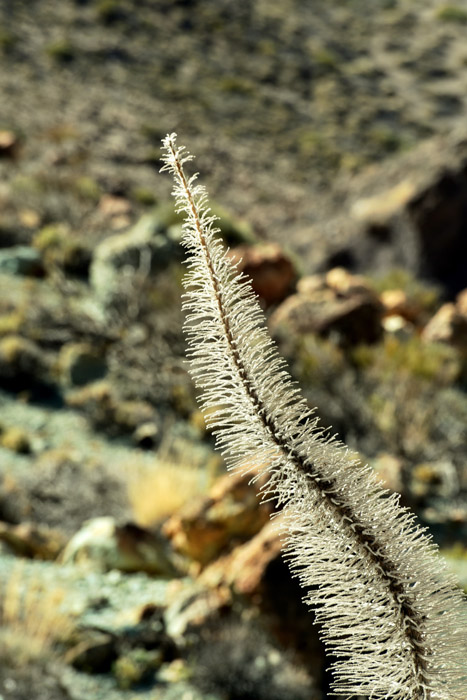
<point>391,616</point>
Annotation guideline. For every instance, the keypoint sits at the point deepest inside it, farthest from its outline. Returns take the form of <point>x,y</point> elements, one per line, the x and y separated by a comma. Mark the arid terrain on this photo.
<point>332,139</point>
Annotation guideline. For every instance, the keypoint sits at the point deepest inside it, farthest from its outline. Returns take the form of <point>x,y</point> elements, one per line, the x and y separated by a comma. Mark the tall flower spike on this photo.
<point>391,616</point>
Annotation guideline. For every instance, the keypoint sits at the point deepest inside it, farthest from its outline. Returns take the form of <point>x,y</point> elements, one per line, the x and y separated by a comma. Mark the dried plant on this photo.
<point>390,614</point>
<point>32,623</point>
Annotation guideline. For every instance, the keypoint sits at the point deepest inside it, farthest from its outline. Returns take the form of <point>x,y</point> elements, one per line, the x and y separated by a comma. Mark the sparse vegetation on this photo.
<point>33,627</point>
<point>452,13</point>
<point>158,490</point>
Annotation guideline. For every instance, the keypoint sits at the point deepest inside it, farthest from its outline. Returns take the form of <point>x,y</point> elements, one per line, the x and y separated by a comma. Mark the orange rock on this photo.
<point>461,303</point>
<point>230,514</point>
<point>8,144</point>
<point>32,540</point>
<point>448,325</point>
<point>345,305</point>
<point>244,569</point>
<point>271,271</point>
<point>111,205</point>
<point>396,303</point>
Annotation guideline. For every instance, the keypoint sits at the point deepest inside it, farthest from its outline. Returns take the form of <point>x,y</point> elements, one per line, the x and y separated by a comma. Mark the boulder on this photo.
<point>449,326</point>
<point>80,364</point>
<point>16,439</point>
<point>396,303</point>
<point>9,144</point>
<point>409,212</point>
<point>271,271</point>
<point>230,514</point>
<point>104,544</point>
<point>23,366</point>
<point>142,249</point>
<point>32,540</point>
<point>94,653</point>
<point>342,305</point>
<point>21,260</point>
<point>244,569</point>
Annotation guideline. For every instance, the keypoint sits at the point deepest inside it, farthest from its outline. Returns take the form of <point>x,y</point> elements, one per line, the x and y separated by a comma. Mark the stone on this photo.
<point>271,271</point>
<point>80,364</point>
<point>8,144</point>
<point>104,544</point>
<point>344,306</point>
<point>113,205</point>
<point>95,653</point>
<point>15,439</point>
<point>229,514</point>
<point>396,303</point>
<point>434,479</point>
<point>408,212</point>
<point>101,404</point>
<point>193,607</point>
<point>147,435</point>
<point>23,366</point>
<point>21,260</point>
<point>32,540</point>
<point>137,667</point>
<point>389,470</point>
<point>449,326</point>
<point>381,207</point>
<point>244,569</point>
<point>142,249</point>
<point>461,303</point>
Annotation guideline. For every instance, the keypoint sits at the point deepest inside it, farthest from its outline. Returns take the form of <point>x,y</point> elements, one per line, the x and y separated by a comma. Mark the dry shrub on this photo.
<point>160,488</point>
<point>32,622</point>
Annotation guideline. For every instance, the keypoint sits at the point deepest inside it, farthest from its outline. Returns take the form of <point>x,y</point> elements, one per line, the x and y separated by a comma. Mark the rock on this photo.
<point>389,469</point>
<point>434,479</point>
<point>461,303</point>
<point>271,271</point>
<point>409,212</point>
<point>108,412</point>
<point>244,569</point>
<point>56,479</point>
<point>343,305</point>
<point>137,667</point>
<point>59,248</point>
<point>147,435</point>
<point>397,326</point>
<point>8,144</point>
<point>95,653</point>
<point>14,504</point>
<point>32,540</point>
<point>194,607</point>
<point>80,364</point>
<point>105,545</point>
<point>113,205</point>
<point>228,515</point>
<point>21,260</point>
<point>396,303</point>
<point>380,208</point>
<point>22,364</point>
<point>449,326</point>
<point>144,248</point>
<point>15,439</point>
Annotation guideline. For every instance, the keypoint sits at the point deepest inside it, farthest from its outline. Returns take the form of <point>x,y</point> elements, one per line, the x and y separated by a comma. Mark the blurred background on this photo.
<point>332,139</point>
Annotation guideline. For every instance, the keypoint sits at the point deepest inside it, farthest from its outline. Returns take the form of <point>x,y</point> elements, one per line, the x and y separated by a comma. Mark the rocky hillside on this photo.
<point>332,138</point>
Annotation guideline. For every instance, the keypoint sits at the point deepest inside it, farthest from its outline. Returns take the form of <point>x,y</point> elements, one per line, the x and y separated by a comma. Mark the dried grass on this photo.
<point>159,489</point>
<point>32,622</point>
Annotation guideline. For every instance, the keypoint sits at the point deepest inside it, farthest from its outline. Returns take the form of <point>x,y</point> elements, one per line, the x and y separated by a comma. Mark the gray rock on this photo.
<point>102,544</point>
<point>21,260</point>
<point>141,250</point>
<point>80,364</point>
<point>408,213</point>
